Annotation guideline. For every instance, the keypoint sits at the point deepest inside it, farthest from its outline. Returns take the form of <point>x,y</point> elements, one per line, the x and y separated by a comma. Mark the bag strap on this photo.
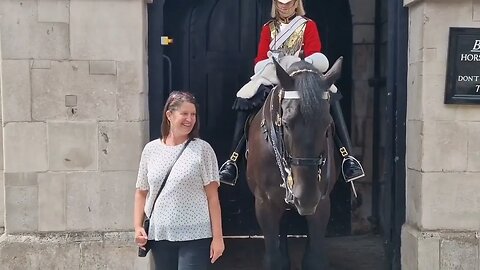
<point>166,177</point>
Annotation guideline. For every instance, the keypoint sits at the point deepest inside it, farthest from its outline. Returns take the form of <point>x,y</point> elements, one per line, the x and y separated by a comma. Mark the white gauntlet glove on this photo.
<point>320,62</point>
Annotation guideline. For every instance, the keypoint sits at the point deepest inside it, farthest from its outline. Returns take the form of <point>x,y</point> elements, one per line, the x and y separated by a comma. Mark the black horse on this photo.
<point>291,161</point>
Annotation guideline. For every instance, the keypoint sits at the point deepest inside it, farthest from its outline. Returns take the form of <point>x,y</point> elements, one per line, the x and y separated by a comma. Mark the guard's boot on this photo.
<point>351,167</point>
<point>229,170</point>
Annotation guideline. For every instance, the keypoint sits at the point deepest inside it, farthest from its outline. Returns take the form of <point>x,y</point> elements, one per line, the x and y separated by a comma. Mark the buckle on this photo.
<point>278,121</point>
<point>343,152</point>
<point>234,156</point>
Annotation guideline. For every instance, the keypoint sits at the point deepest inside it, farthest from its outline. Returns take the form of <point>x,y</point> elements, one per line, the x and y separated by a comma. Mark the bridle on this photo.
<point>273,129</point>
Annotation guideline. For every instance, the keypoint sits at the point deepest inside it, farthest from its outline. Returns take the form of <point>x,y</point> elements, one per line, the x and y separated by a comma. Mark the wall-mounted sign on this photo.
<point>463,66</point>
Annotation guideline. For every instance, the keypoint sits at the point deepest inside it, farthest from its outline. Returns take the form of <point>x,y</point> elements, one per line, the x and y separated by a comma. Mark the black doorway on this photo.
<point>214,43</point>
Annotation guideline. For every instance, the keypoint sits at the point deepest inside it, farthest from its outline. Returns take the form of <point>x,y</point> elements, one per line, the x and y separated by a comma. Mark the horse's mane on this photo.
<point>311,88</point>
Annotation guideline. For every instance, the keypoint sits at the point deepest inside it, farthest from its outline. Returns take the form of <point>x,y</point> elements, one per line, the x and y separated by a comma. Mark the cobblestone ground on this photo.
<point>345,253</point>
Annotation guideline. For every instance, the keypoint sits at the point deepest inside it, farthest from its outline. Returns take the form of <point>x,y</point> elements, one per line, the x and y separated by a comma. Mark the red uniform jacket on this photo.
<point>311,41</point>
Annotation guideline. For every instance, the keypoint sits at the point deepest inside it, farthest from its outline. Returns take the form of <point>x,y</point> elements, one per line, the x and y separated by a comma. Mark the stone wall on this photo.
<point>74,121</point>
<point>363,19</point>
<point>443,161</point>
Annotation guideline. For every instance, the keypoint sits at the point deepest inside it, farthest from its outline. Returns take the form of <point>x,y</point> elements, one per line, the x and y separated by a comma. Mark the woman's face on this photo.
<point>286,10</point>
<point>183,119</point>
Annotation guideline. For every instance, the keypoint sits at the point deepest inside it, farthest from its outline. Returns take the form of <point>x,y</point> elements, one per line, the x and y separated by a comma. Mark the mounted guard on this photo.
<point>287,36</point>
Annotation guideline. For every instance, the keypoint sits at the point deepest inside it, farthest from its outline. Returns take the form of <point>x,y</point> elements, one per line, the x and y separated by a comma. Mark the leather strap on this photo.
<point>166,177</point>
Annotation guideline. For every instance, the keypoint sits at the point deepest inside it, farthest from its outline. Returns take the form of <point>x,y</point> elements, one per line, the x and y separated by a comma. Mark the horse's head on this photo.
<point>306,123</point>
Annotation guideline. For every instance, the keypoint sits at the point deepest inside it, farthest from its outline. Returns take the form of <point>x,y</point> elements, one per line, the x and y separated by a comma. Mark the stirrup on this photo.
<point>360,167</point>
<point>233,181</point>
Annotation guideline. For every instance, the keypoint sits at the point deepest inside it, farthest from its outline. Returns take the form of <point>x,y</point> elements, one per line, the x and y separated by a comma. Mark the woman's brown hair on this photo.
<point>174,101</point>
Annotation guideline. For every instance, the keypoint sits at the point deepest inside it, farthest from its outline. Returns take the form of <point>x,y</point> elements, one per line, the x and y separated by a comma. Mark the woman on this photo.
<point>185,231</point>
<point>288,34</point>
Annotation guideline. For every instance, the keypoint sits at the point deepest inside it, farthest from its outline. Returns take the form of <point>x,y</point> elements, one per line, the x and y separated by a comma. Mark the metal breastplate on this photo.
<point>294,43</point>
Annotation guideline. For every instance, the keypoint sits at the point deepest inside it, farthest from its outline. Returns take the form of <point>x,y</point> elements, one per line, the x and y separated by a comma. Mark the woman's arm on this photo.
<point>214,209</point>
<point>138,215</point>
<point>217,246</point>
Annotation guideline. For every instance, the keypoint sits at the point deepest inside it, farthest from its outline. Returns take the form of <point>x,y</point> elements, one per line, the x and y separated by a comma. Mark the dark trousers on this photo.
<point>182,255</point>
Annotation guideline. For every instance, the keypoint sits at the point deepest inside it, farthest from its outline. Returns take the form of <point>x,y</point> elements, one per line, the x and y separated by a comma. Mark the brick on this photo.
<point>103,68</point>
<point>414,197</point>
<point>72,146</point>
<point>20,179</point>
<point>21,206</point>
<point>83,201</point>
<point>54,11</point>
<point>450,201</point>
<point>96,94</point>
<point>117,139</point>
<point>113,32</point>
<point>106,201</point>
<point>23,37</point>
<point>414,141</point>
<point>420,250</point>
<point>116,191</point>
<point>414,92</point>
<point>132,107</point>
<point>20,141</point>
<point>473,147</point>
<point>51,202</point>
<point>131,77</point>
<point>445,146</point>
<point>16,91</point>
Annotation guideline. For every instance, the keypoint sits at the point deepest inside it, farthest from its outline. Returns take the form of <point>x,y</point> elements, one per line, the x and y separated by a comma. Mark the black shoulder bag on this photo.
<point>146,220</point>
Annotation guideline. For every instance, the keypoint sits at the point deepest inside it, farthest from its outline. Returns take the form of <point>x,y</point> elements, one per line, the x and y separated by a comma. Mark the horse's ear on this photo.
<point>286,81</point>
<point>335,71</point>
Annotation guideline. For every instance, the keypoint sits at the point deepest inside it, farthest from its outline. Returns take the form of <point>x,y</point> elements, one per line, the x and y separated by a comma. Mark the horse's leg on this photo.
<point>315,257</point>
<point>268,216</point>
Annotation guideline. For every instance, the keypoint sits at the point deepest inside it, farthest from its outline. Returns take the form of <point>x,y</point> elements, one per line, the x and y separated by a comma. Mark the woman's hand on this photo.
<point>216,248</point>
<point>141,237</point>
